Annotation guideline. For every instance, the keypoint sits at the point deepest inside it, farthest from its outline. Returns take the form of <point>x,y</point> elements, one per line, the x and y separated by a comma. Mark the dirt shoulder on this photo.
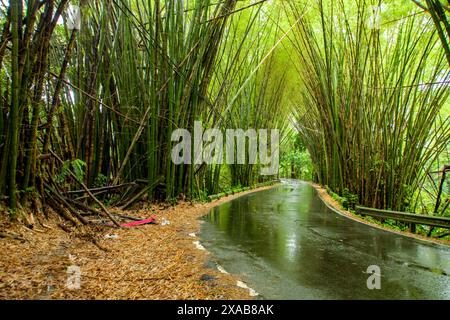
<point>146,262</point>
<point>334,205</point>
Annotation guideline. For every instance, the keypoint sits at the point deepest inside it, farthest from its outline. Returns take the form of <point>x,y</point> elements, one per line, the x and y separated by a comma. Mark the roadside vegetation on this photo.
<point>359,91</point>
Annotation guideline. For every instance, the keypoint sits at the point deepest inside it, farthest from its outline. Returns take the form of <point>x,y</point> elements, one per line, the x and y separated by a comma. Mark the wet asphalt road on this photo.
<point>286,244</point>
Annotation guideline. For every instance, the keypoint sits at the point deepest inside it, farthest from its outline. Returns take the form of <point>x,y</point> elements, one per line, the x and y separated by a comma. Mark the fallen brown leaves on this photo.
<point>146,262</point>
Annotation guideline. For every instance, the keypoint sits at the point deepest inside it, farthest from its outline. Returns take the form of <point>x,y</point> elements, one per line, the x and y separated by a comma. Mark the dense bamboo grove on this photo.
<point>253,96</point>
<point>96,107</point>
<point>438,11</point>
<point>370,105</point>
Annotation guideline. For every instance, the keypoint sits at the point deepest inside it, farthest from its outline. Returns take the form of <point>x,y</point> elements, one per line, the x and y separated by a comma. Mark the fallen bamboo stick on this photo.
<point>127,217</point>
<point>102,206</point>
<point>11,236</point>
<point>103,189</point>
<point>142,192</point>
<point>67,204</point>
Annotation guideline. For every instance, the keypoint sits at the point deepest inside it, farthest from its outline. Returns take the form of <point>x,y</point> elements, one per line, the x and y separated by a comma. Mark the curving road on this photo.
<point>286,244</point>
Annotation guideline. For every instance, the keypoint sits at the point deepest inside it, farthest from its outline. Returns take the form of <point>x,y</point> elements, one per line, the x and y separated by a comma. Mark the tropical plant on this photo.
<point>370,102</point>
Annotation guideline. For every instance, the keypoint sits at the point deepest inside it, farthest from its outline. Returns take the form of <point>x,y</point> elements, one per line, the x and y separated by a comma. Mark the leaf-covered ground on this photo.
<point>146,262</point>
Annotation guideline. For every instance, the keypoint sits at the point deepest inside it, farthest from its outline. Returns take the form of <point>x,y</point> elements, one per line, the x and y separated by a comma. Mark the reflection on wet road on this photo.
<point>286,244</point>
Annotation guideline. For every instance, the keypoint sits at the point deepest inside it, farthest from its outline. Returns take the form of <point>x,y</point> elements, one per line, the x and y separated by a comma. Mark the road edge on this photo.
<point>335,207</point>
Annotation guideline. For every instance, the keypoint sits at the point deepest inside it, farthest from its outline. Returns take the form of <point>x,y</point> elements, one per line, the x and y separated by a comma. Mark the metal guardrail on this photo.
<point>433,221</point>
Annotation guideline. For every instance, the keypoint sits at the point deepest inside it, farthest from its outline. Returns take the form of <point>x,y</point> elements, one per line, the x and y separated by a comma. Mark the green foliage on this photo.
<point>100,180</point>
<point>349,200</point>
<point>370,122</point>
<point>77,166</point>
<point>203,196</point>
<point>353,103</point>
<point>295,161</point>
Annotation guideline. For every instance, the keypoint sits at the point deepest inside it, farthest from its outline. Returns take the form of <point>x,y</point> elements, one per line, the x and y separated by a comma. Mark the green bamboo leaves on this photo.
<point>151,64</point>
<point>370,101</point>
<point>369,105</point>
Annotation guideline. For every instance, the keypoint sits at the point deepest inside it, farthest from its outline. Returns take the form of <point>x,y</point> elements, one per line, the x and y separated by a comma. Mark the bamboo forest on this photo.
<point>224,150</point>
